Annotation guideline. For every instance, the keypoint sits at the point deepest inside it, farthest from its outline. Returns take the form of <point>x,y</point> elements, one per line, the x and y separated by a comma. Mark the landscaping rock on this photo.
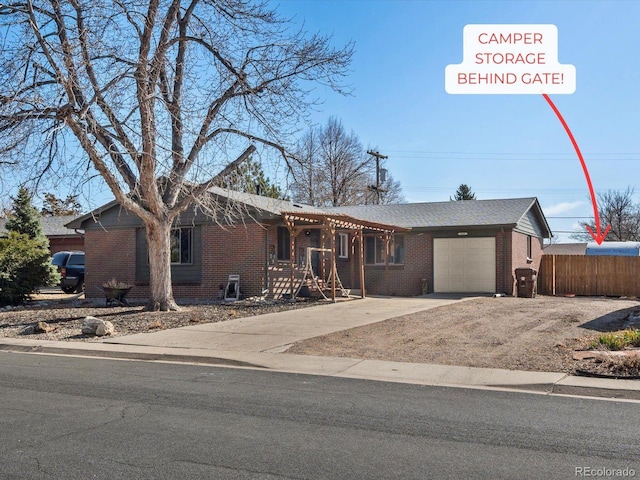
<point>95,326</point>
<point>28,330</point>
<point>43,327</point>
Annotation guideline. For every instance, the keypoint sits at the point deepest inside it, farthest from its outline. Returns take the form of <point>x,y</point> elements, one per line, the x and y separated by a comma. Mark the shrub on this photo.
<point>25,266</point>
<point>113,283</point>
<point>617,340</point>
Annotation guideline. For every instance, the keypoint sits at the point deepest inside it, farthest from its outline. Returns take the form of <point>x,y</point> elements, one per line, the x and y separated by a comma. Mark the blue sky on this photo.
<point>503,146</point>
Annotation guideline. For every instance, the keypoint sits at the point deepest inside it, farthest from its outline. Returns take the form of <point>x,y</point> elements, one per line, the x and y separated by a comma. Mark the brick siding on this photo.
<point>249,249</point>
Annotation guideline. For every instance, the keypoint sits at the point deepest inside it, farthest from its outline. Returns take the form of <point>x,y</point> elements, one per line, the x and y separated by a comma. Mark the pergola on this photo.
<point>329,224</point>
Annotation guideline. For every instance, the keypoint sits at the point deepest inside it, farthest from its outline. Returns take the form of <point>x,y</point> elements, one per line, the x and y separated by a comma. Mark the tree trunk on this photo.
<point>161,290</point>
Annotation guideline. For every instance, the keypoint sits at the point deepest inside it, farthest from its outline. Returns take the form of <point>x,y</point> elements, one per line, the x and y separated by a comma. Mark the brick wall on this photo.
<point>519,255</point>
<point>400,280</point>
<point>232,250</point>
<point>109,255</point>
<point>244,250</point>
<point>504,275</point>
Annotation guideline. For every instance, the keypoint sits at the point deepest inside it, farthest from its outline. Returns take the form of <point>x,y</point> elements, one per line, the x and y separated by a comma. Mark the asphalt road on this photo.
<point>80,418</point>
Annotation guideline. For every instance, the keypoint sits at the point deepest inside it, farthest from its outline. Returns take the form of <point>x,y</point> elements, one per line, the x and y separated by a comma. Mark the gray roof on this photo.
<point>265,204</point>
<point>268,207</point>
<point>467,213</point>
<point>51,226</point>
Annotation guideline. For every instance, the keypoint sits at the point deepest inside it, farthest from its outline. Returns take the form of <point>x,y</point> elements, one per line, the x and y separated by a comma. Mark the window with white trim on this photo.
<point>343,245</point>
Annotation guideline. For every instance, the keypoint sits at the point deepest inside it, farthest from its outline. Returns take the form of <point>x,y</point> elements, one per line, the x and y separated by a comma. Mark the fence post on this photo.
<point>553,275</point>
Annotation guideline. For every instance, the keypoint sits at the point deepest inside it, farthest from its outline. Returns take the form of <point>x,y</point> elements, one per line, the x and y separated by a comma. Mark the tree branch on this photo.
<point>199,190</point>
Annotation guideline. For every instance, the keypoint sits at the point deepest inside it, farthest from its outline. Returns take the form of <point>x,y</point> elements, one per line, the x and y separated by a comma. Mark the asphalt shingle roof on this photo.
<point>464,213</point>
<point>51,226</point>
<point>469,213</point>
<point>266,204</point>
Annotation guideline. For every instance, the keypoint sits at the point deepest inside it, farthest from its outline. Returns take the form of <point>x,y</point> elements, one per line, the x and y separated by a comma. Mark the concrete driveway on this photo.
<point>274,332</point>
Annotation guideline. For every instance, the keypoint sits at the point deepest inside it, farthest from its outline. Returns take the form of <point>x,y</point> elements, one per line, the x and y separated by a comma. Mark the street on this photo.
<point>78,418</point>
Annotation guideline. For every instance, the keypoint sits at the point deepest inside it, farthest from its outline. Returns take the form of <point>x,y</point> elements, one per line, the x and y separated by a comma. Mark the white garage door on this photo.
<point>464,264</point>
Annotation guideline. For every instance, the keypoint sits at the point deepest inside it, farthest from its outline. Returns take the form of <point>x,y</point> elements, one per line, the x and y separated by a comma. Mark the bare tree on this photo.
<point>164,98</point>
<point>618,209</point>
<point>333,169</point>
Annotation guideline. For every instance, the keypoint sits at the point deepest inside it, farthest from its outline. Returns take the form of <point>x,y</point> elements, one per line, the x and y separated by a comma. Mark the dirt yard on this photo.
<point>514,333</point>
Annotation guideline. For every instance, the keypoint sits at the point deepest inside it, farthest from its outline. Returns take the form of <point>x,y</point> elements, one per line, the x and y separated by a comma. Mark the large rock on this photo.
<point>95,326</point>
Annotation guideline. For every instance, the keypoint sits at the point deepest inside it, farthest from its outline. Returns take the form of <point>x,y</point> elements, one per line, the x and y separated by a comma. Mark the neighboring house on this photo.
<point>466,246</point>
<point>60,237</point>
<point>565,249</point>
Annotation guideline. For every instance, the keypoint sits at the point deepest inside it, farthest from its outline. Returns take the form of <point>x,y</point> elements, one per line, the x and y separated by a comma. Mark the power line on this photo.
<point>528,154</point>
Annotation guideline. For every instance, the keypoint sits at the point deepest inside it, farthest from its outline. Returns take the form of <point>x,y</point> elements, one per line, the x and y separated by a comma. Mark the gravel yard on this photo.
<point>64,315</point>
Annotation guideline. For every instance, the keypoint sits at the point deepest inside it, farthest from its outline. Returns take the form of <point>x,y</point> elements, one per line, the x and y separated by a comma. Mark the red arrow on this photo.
<point>598,236</point>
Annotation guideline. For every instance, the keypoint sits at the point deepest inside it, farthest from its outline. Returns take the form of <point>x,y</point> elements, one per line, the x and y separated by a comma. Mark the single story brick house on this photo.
<point>404,249</point>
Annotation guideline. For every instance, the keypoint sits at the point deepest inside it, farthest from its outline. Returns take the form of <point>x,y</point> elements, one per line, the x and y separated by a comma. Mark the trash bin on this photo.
<point>527,282</point>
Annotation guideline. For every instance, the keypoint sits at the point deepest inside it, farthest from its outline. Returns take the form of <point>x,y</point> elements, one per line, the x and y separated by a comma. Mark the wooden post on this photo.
<point>292,252</point>
<point>352,260</point>
<point>323,240</point>
<point>361,255</point>
<point>387,240</point>
<point>553,277</point>
<point>332,232</point>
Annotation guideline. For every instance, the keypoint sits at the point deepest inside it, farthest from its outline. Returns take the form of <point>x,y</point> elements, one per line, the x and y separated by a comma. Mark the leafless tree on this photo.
<point>154,89</point>
<point>334,170</point>
<point>618,209</point>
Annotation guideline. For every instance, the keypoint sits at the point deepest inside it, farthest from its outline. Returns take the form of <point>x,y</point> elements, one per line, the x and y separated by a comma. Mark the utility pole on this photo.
<point>376,188</point>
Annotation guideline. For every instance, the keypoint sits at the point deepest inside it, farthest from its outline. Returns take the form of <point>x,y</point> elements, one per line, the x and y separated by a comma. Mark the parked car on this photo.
<point>71,268</point>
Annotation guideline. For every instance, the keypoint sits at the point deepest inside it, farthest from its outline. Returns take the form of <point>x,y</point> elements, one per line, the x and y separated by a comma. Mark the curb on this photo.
<point>567,385</point>
<point>149,357</point>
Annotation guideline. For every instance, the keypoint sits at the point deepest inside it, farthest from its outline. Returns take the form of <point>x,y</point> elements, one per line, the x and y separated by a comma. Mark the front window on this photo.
<point>181,252</point>
<point>374,250</point>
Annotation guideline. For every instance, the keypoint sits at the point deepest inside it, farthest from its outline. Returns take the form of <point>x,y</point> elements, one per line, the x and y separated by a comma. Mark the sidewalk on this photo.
<point>258,342</point>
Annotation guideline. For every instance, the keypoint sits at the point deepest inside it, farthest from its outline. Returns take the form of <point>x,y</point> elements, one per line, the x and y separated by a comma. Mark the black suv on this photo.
<point>71,268</point>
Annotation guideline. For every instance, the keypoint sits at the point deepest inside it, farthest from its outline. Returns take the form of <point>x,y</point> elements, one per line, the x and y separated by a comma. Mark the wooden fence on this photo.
<point>589,275</point>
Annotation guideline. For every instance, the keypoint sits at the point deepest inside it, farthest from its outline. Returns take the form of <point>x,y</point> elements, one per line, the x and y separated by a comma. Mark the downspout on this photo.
<point>265,287</point>
<point>505,265</point>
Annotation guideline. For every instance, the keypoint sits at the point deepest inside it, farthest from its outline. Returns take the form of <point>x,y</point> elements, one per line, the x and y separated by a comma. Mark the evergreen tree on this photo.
<point>464,193</point>
<point>25,260</point>
<point>57,207</point>
<point>249,177</point>
<point>24,217</point>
